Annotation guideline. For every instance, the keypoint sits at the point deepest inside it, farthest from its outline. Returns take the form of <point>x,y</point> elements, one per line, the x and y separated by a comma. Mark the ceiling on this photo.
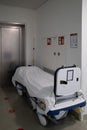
<point>30,4</point>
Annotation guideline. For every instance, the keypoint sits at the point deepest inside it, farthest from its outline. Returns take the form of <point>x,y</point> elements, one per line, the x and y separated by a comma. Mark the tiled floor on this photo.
<point>24,118</point>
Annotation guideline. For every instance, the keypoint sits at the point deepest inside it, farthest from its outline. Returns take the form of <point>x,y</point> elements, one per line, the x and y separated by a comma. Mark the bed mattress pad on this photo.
<point>37,82</point>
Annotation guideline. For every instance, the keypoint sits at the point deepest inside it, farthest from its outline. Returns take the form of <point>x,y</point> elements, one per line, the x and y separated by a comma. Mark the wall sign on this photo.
<point>74,40</point>
<point>49,41</point>
<point>61,40</point>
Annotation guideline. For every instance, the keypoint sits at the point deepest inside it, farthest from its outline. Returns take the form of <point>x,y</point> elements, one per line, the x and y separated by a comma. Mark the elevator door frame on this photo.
<point>21,43</point>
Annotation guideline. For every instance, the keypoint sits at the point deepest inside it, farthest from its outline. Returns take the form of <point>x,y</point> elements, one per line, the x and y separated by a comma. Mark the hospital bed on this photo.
<point>52,96</point>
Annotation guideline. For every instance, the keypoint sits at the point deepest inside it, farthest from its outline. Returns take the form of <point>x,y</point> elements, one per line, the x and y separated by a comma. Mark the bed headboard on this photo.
<point>66,80</point>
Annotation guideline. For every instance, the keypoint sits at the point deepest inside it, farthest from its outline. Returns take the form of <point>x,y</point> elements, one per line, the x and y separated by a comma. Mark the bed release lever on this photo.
<point>63,82</point>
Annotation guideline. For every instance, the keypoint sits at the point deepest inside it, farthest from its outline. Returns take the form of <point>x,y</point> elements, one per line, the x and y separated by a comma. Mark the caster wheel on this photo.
<point>61,115</point>
<point>42,120</point>
<point>19,90</point>
<point>33,104</point>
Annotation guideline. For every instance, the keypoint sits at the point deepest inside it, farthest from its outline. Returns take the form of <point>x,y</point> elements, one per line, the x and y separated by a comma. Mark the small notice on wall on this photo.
<point>74,40</point>
<point>49,41</point>
<point>61,40</point>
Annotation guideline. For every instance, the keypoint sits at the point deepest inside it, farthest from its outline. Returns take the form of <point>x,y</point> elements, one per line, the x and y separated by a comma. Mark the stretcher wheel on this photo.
<point>19,90</point>
<point>65,114</point>
<point>33,104</point>
<point>61,115</point>
<point>42,119</point>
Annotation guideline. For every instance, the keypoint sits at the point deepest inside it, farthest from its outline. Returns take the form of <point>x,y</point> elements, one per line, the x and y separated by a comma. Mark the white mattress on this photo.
<point>38,82</point>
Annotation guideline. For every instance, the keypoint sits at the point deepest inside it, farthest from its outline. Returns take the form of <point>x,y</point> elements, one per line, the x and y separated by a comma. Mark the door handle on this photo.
<point>63,82</point>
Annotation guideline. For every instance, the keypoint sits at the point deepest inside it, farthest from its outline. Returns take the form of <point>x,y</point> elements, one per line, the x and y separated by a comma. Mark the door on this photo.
<point>10,52</point>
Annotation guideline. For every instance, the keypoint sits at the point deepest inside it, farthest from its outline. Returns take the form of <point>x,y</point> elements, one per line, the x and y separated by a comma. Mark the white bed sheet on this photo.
<point>38,82</point>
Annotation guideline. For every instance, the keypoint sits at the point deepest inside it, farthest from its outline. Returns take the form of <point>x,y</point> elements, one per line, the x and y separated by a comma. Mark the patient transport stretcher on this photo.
<point>51,96</point>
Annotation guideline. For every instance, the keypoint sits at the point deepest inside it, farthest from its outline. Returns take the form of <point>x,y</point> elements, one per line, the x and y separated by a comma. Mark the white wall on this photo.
<point>84,49</point>
<point>55,18</point>
<point>23,16</point>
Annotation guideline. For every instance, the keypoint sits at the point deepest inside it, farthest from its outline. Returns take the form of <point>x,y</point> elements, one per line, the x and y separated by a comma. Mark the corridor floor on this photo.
<point>16,114</point>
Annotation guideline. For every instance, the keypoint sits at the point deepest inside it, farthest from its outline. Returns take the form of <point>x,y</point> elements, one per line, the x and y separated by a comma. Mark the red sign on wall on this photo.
<point>49,41</point>
<point>61,40</point>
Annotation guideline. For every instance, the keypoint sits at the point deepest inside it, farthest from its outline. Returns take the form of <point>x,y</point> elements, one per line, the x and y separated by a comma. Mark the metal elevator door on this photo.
<point>10,51</point>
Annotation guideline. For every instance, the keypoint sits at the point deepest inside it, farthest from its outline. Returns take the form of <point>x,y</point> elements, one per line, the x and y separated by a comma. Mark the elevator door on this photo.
<point>10,52</point>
